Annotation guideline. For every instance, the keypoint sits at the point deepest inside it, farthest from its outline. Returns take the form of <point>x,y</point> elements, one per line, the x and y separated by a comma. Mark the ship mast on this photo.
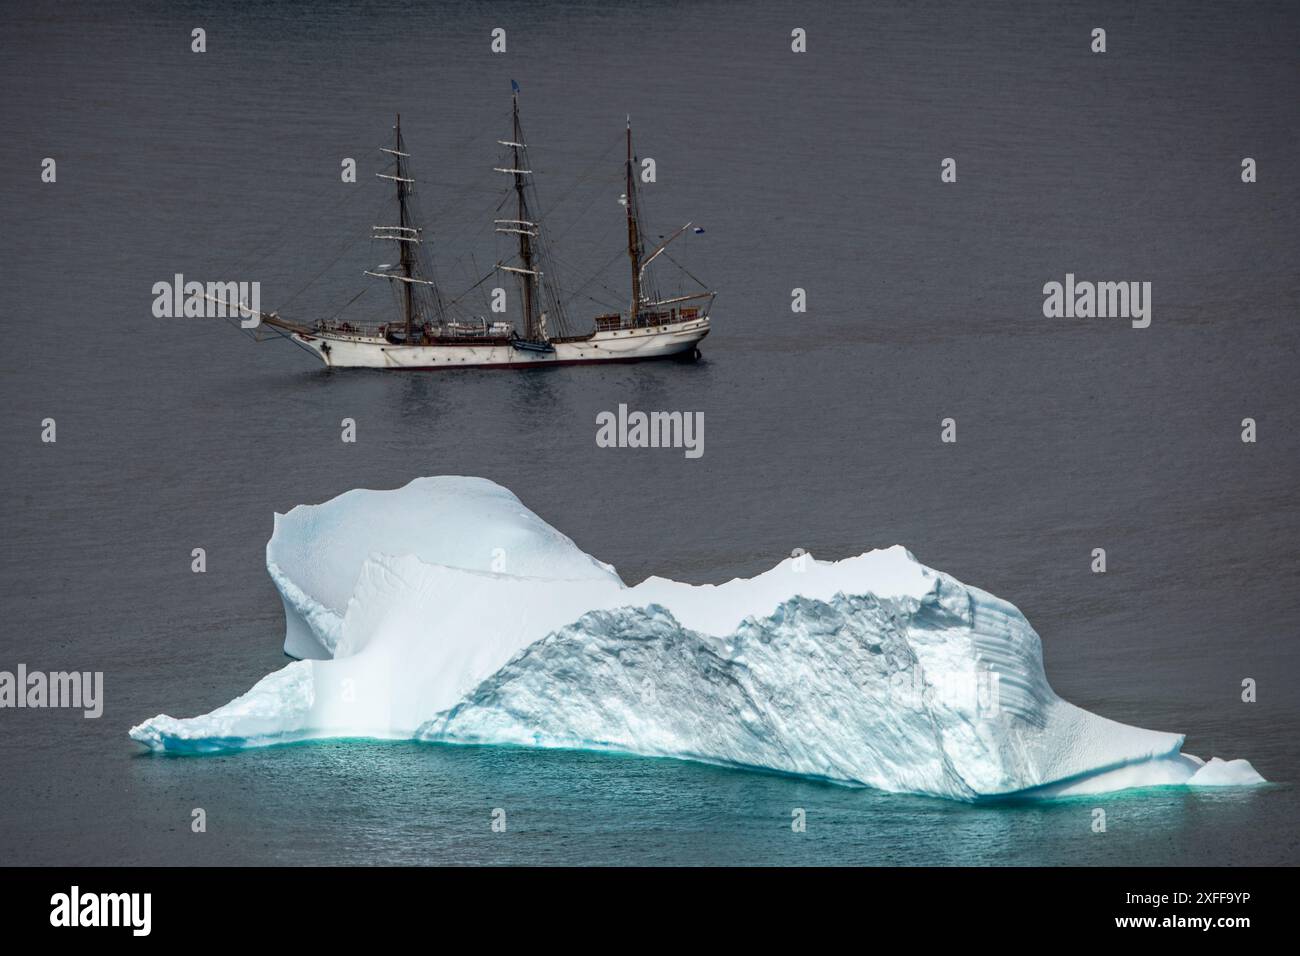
<point>403,224</point>
<point>525,240</point>
<point>405,233</point>
<point>633,233</point>
<point>523,227</point>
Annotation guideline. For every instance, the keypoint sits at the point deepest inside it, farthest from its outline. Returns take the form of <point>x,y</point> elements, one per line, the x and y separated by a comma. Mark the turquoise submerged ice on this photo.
<point>447,611</point>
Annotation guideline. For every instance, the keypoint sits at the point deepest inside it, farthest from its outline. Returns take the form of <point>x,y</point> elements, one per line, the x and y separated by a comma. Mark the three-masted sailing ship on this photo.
<point>430,334</point>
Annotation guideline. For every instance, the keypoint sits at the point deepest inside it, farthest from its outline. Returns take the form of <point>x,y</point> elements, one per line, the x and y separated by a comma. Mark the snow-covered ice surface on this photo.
<point>447,611</point>
<point>316,551</point>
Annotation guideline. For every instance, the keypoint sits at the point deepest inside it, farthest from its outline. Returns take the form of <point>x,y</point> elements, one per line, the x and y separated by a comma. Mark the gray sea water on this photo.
<point>816,170</point>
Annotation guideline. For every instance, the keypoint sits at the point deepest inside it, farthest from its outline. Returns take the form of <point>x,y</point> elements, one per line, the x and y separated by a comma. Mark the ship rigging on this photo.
<point>433,333</point>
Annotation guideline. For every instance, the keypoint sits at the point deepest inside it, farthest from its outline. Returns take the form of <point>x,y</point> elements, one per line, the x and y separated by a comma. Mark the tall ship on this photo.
<point>430,333</point>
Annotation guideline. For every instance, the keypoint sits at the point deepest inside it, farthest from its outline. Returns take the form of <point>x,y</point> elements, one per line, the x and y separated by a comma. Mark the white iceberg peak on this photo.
<point>316,551</point>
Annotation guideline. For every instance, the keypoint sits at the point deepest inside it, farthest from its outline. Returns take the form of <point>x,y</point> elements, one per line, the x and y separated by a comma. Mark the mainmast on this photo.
<point>403,224</point>
<point>523,227</point>
<point>633,232</point>
<point>525,239</point>
<point>405,233</point>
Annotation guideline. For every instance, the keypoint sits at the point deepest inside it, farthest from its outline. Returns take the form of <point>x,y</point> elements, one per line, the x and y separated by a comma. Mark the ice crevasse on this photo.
<point>447,611</point>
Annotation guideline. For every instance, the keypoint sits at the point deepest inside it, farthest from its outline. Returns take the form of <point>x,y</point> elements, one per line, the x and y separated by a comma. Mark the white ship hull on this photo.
<point>341,350</point>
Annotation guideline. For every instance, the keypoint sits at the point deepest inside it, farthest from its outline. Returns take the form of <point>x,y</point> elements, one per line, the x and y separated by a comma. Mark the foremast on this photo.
<point>406,234</point>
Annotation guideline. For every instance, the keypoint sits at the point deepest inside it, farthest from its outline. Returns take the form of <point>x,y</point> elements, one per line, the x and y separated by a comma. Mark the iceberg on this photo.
<point>446,611</point>
<point>316,551</point>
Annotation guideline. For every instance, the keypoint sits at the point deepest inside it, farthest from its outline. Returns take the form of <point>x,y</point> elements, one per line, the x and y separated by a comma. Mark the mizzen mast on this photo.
<point>634,248</point>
